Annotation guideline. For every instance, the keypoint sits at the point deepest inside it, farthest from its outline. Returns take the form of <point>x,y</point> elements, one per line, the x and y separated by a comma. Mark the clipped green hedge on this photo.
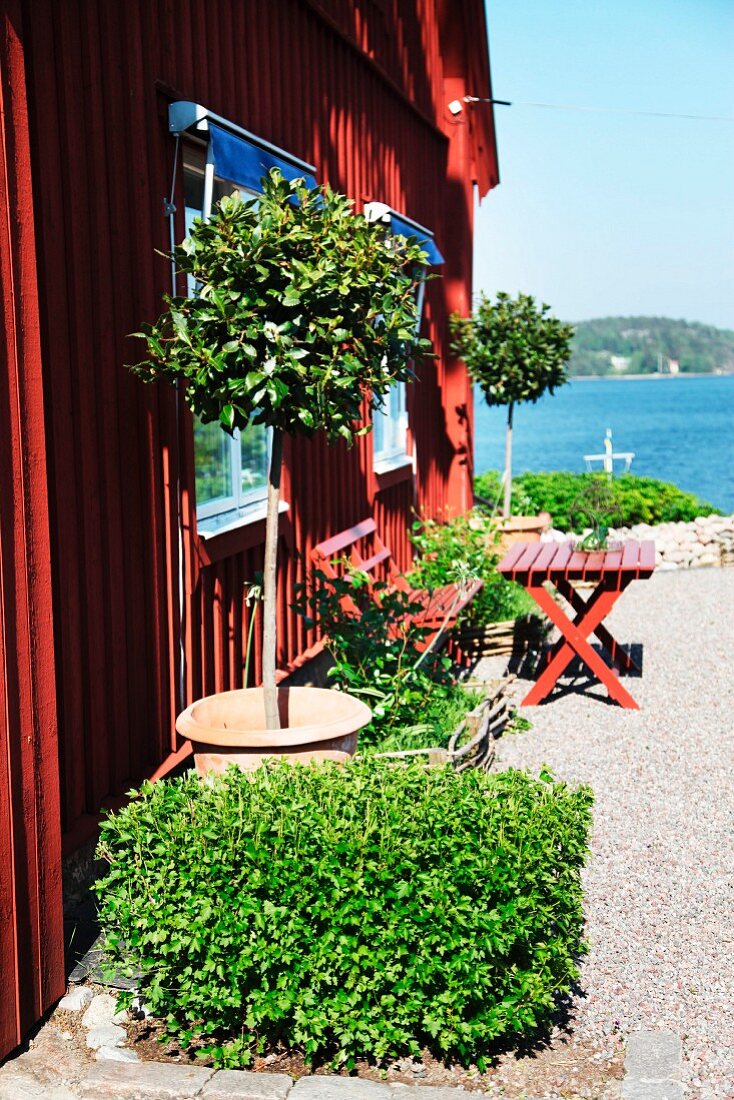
<point>365,911</point>
<point>635,499</point>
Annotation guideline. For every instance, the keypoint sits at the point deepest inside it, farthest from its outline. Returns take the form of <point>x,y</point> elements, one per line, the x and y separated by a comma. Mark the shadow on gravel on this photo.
<point>577,678</point>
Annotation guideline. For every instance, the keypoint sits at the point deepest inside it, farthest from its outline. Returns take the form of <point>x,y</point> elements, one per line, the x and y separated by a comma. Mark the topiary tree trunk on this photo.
<point>270,584</point>
<point>508,462</point>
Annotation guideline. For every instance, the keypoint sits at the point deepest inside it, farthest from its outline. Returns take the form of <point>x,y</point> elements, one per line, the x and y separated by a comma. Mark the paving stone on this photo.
<point>241,1085</point>
<point>100,1011</point>
<point>145,1081</point>
<point>341,1088</point>
<point>116,1054</point>
<point>51,1061</point>
<point>651,1090</point>
<point>23,1086</point>
<point>77,999</point>
<point>653,1056</point>
<point>108,1036</point>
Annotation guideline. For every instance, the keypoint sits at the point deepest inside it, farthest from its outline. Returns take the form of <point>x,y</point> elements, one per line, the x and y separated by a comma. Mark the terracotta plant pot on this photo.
<point>229,728</point>
<point>522,529</point>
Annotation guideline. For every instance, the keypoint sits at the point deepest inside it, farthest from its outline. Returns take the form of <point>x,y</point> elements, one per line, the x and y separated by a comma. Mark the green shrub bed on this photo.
<point>435,718</point>
<point>373,910</point>
<point>379,656</point>
<point>465,547</point>
<point>632,499</point>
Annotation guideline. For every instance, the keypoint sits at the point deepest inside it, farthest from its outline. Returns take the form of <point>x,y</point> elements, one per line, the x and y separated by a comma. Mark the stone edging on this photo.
<point>705,541</point>
<point>160,1081</point>
<point>653,1066</point>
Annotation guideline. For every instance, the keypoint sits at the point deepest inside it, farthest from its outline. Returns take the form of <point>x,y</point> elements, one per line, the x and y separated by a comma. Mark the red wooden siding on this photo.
<point>357,87</point>
<point>31,924</point>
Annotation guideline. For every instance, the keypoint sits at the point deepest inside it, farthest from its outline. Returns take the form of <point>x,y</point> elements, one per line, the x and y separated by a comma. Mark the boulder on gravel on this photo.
<point>101,1011</point>
<point>116,1054</point>
<point>78,997</point>
<point>108,1036</point>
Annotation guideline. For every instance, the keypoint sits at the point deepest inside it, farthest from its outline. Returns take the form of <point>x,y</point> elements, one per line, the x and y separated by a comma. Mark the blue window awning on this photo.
<point>402,227</point>
<point>245,163</point>
<point>239,156</point>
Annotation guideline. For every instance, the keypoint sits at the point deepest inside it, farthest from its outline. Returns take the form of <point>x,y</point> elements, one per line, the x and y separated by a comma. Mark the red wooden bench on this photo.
<point>533,564</point>
<point>439,608</point>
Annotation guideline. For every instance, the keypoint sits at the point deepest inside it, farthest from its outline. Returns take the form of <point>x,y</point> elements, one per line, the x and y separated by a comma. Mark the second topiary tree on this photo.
<point>516,352</point>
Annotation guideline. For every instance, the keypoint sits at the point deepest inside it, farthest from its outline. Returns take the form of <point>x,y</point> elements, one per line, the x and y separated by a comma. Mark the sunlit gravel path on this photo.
<point>660,884</point>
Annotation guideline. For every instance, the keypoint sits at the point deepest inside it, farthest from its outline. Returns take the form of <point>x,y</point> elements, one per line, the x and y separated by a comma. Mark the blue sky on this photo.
<point>604,215</point>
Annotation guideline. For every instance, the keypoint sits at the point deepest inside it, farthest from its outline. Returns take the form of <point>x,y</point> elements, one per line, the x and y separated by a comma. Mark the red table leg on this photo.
<point>575,635</point>
<point>618,655</point>
<point>581,608</point>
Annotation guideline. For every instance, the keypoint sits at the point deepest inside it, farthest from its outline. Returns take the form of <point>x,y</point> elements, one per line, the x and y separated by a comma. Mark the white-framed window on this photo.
<point>390,427</point>
<point>231,471</point>
<point>390,421</point>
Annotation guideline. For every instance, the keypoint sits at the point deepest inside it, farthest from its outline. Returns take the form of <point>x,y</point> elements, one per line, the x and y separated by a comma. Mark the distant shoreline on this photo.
<point>641,377</point>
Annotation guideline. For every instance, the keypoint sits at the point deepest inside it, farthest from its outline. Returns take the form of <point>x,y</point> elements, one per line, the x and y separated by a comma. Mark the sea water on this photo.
<point>681,429</point>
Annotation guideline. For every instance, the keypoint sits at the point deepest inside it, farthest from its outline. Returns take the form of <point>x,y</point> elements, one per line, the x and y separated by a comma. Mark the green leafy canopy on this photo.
<point>302,308</point>
<point>512,348</point>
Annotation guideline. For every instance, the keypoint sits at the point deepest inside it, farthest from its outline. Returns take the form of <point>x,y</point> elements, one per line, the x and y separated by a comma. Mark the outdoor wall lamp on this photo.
<point>456,106</point>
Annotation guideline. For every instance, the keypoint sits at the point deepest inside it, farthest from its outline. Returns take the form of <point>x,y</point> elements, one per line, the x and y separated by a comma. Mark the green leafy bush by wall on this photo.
<point>467,547</point>
<point>634,499</point>
<point>379,656</point>
<point>370,910</point>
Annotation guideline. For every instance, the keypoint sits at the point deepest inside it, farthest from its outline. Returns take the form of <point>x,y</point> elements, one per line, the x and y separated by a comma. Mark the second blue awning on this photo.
<point>404,228</point>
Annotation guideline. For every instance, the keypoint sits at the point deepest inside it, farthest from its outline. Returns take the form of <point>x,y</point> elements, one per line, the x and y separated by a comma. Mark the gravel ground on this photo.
<point>660,884</point>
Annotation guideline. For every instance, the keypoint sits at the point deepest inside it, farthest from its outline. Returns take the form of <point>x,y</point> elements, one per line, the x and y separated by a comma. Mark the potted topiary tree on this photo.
<point>516,352</point>
<point>302,310</point>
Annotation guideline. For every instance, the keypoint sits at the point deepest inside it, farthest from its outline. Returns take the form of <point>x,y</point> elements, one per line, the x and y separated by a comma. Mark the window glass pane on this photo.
<point>254,459</point>
<point>193,191</point>
<point>230,473</point>
<point>390,425</point>
<point>213,459</point>
<point>379,423</point>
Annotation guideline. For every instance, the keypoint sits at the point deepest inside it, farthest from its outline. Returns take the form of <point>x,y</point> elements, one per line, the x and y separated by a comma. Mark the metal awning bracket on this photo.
<point>184,115</point>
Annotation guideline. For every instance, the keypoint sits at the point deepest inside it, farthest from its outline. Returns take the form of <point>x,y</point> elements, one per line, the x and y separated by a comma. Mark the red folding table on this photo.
<point>533,564</point>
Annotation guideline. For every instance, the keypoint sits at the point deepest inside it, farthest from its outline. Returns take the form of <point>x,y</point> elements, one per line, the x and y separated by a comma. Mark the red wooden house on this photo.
<point>127,532</point>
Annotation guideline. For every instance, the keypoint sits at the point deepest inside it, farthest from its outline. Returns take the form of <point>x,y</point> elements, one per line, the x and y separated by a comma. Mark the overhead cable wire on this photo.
<point>599,110</point>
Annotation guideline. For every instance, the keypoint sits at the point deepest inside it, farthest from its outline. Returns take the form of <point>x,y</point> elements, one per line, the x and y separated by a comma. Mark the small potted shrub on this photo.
<point>516,352</point>
<point>594,510</point>
<point>303,310</point>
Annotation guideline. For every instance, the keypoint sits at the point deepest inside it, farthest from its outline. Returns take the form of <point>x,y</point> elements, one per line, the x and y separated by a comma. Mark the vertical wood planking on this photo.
<point>31,919</point>
<point>103,326</point>
<point>290,70</point>
<point>85,426</point>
